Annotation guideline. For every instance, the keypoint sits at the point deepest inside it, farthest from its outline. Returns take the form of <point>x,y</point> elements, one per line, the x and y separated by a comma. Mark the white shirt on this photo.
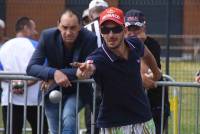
<point>14,57</point>
<point>94,27</point>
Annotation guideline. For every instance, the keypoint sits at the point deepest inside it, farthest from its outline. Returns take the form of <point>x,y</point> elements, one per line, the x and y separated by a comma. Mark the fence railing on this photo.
<point>4,76</point>
<point>177,99</point>
<point>177,96</point>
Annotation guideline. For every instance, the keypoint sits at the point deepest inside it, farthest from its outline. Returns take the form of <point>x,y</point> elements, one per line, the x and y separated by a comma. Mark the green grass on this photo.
<point>184,71</point>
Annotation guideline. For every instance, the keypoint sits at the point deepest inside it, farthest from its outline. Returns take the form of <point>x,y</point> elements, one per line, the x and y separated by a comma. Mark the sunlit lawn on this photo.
<point>185,72</point>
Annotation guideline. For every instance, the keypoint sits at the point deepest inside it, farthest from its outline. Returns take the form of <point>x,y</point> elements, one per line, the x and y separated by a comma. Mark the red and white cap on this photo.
<point>97,3</point>
<point>113,14</point>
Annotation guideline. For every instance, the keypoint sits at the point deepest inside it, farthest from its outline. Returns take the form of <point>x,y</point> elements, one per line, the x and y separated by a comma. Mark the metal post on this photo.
<point>25,106</point>
<point>179,94</point>
<point>197,113</point>
<point>162,111</point>
<point>38,118</point>
<point>11,109</point>
<point>42,113</point>
<point>8,114</point>
<point>168,36</point>
<point>60,114</point>
<point>77,106</point>
<point>94,110</point>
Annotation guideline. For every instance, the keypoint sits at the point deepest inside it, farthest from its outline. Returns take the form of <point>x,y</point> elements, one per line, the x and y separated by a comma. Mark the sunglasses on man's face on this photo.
<point>115,30</point>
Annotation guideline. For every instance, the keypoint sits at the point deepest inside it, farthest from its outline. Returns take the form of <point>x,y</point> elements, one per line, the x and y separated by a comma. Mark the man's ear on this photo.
<point>58,23</point>
<point>126,30</point>
<point>79,27</point>
<point>25,29</point>
<point>144,28</point>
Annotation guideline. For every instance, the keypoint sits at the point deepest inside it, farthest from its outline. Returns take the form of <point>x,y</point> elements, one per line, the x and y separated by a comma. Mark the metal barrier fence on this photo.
<point>184,116</point>
<point>7,77</point>
<point>19,76</point>
<point>184,106</point>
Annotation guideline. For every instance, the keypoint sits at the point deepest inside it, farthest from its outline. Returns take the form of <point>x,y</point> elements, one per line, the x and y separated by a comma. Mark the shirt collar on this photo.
<point>111,55</point>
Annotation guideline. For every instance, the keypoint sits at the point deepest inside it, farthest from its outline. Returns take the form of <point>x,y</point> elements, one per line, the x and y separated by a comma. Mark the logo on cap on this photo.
<point>133,18</point>
<point>113,14</point>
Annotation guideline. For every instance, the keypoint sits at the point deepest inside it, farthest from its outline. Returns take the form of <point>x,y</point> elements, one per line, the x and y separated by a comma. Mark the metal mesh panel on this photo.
<point>156,14</point>
<point>2,9</point>
<point>78,5</point>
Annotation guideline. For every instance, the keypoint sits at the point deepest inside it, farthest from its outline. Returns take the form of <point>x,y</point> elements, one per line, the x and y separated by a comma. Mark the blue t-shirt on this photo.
<point>124,101</point>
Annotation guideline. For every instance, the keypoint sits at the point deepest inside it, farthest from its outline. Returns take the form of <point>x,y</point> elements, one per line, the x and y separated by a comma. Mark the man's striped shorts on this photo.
<point>141,128</point>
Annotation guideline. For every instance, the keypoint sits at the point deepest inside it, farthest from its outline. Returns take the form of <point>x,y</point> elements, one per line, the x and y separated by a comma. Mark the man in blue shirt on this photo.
<point>59,47</point>
<point>116,68</point>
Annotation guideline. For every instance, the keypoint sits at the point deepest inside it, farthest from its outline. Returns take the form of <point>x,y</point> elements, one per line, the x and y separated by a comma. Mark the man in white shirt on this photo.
<point>95,8</point>
<point>14,57</point>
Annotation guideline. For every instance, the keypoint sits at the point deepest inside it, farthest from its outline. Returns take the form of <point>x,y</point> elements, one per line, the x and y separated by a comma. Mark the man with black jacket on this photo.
<point>136,25</point>
<point>60,46</point>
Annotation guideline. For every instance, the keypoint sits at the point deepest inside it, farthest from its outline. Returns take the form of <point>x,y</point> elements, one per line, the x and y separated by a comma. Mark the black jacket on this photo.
<point>155,94</point>
<point>50,50</point>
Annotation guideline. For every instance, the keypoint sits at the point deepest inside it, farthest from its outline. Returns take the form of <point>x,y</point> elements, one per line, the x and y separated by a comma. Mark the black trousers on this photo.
<point>157,119</point>
<point>18,117</point>
<point>88,111</point>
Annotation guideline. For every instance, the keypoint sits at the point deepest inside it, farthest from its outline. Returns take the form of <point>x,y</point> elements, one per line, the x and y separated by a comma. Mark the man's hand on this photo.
<point>148,81</point>
<point>61,79</point>
<point>46,84</point>
<point>85,70</point>
<point>31,82</point>
<point>197,79</point>
<point>157,75</point>
<point>147,76</point>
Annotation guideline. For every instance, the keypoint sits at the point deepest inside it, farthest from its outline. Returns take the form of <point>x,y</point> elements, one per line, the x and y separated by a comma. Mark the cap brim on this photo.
<point>139,24</point>
<point>84,16</point>
<point>112,19</point>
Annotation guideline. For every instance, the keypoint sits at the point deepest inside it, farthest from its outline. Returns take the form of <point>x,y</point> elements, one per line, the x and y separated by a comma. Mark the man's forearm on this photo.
<point>40,71</point>
<point>150,61</point>
<point>31,82</point>
<point>70,73</point>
